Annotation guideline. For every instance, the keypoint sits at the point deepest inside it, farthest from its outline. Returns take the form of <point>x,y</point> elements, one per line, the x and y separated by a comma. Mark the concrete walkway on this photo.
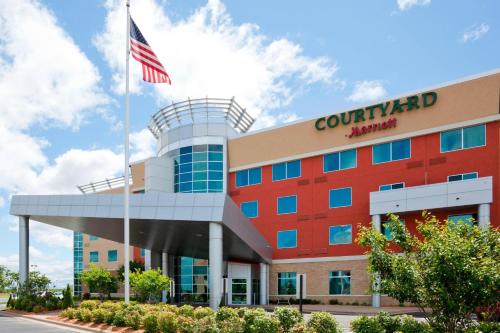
<point>352,310</point>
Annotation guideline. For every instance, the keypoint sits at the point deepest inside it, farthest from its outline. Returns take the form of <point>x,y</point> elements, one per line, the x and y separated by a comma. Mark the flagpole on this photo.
<point>126,194</point>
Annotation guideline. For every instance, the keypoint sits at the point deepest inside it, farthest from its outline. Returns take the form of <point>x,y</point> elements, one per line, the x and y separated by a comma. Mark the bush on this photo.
<point>67,301</point>
<point>410,325</point>
<point>264,324</point>
<point>225,313</point>
<point>84,315</point>
<point>390,323</point>
<point>119,318</point>
<point>68,313</point>
<point>323,322</point>
<point>167,322</point>
<point>302,328</point>
<point>233,324</point>
<point>99,315</point>
<point>99,280</point>
<point>206,324</point>
<point>133,319</point>
<point>487,327</point>
<point>150,322</point>
<point>186,324</point>
<point>333,301</point>
<point>186,310</point>
<point>149,284</point>
<point>250,315</point>
<point>38,309</point>
<point>202,312</point>
<point>287,317</point>
<point>365,324</point>
<point>91,305</point>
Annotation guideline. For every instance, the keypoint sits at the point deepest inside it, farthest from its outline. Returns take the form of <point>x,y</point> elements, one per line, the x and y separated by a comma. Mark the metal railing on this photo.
<point>209,110</point>
<point>103,185</point>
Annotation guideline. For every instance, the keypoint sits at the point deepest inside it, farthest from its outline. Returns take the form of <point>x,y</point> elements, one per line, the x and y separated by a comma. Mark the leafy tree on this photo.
<point>449,268</point>
<point>67,298</point>
<point>133,266</point>
<point>99,280</point>
<point>5,278</point>
<point>149,284</point>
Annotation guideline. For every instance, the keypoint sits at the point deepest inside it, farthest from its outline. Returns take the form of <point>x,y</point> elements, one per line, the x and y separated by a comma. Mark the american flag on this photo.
<point>152,69</point>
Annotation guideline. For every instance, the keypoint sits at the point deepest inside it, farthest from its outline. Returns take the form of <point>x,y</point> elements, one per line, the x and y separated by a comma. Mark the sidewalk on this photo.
<point>351,309</point>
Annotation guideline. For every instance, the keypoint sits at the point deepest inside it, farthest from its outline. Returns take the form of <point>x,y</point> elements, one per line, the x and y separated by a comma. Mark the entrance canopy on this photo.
<point>176,223</point>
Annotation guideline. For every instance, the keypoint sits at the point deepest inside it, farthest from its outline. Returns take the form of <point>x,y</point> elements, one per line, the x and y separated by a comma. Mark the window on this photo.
<point>93,238</point>
<point>388,187</point>
<point>391,151</point>
<point>463,176</point>
<point>465,218</point>
<point>143,252</point>
<point>112,255</point>
<point>287,283</point>
<point>340,234</point>
<point>94,256</point>
<point>287,205</point>
<point>287,239</point>
<point>339,161</point>
<point>340,283</point>
<point>463,138</point>
<point>250,209</point>
<point>248,177</point>
<point>239,291</point>
<point>198,169</point>
<point>387,231</point>
<point>341,197</point>
<point>286,170</point>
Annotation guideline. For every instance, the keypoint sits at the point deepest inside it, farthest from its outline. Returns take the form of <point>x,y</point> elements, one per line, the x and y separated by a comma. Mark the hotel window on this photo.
<point>463,138</point>
<point>198,169</point>
<point>250,209</point>
<point>340,234</point>
<point>340,197</point>
<point>386,230</point>
<point>469,219</point>
<point>286,170</point>
<point>287,239</point>
<point>112,255</point>
<point>287,283</point>
<point>94,256</point>
<point>340,283</point>
<point>391,151</point>
<point>248,177</point>
<point>388,187</point>
<point>463,176</point>
<point>339,161</point>
<point>287,205</point>
<point>93,238</point>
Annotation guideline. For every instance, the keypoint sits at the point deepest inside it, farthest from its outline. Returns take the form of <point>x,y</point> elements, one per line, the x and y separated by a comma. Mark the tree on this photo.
<point>449,268</point>
<point>6,278</point>
<point>133,266</point>
<point>99,280</point>
<point>149,284</point>
<point>67,298</point>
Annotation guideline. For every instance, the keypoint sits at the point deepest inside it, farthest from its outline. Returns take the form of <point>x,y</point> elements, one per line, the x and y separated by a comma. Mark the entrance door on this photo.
<point>239,294</point>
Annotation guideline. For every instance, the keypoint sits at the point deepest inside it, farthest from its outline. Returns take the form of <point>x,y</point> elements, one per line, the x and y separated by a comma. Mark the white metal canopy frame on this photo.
<point>207,110</point>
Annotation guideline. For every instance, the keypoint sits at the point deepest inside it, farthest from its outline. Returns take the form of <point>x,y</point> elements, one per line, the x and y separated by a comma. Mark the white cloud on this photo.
<point>142,145</point>
<point>475,32</point>
<point>2,202</point>
<point>407,4</point>
<point>367,91</point>
<point>208,54</point>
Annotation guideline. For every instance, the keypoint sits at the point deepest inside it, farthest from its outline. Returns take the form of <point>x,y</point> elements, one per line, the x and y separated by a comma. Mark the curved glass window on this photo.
<point>198,169</point>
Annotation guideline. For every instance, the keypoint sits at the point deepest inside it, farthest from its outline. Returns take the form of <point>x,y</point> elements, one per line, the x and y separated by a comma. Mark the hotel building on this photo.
<point>229,212</point>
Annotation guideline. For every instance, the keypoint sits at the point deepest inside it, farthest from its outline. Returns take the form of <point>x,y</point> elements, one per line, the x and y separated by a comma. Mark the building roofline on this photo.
<point>357,106</point>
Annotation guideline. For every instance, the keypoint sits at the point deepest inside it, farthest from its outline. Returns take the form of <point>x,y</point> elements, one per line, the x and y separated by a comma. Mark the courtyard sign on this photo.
<point>381,110</point>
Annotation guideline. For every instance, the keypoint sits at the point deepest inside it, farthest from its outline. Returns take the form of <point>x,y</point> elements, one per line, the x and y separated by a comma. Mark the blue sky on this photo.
<point>61,77</point>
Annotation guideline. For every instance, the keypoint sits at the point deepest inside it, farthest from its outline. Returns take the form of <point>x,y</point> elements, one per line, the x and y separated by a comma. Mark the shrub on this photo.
<point>84,315</point>
<point>264,324</point>
<point>390,323</point>
<point>119,318</point>
<point>99,280</point>
<point>225,313</point>
<point>150,322</point>
<point>167,322</point>
<point>186,310</point>
<point>68,313</point>
<point>133,319</point>
<point>323,322</point>
<point>487,327</point>
<point>38,309</point>
<point>207,324</point>
<point>202,312</point>
<point>287,317</point>
<point>91,305</point>
<point>410,325</point>
<point>185,324</point>
<point>149,284</point>
<point>233,324</point>
<point>67,298</point>
<point>333,301</point>
<point>250,315</point>
<point>302,328</point>
<point>365,324</point>
<point>99,315</point>
<point>109,317</point>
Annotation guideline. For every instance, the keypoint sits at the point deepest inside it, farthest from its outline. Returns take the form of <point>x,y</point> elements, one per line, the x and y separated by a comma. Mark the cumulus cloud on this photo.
<point>407,4</point>
<point>208,54</point>
<point>367,91</point>
<point>142,145</point>
<point>475,32</point>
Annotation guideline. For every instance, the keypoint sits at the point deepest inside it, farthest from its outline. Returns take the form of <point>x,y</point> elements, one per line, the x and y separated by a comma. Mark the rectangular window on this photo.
<point>465,218</point>
<point>340,197</point>
<point>388,187</point>
<point>340,283</point>
<point>112,255</point>
<point>339,161</point>
<point>387,231</point>
<point>94,256</point>
<point>143,252</point>
<point>93,238</point>
<point>463,176</point>
<point>287,283</point>
<point>286,170</point>
<point>287,205</point>
<point>391,151</point>
<point>248,177</point>
<point>340,234</point>
<point>463,138</point>
<point>287,239</point>
<point>250,209</point>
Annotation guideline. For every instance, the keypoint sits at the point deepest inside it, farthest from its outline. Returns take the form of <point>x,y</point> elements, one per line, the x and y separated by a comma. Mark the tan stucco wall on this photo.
<point>468,100</point>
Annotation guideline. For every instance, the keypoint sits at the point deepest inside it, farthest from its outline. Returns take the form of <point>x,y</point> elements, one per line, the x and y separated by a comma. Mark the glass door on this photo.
<point>239,291</point>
